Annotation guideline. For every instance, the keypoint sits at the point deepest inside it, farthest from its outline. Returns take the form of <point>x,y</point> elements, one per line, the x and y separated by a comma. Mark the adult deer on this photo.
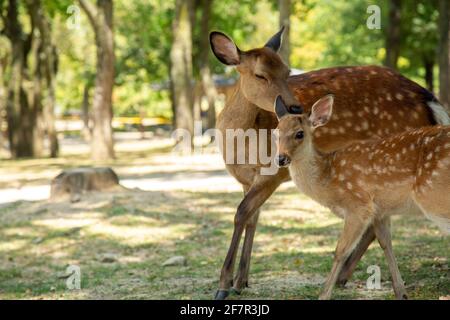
<point>368,181</point>
<point>372,94</point>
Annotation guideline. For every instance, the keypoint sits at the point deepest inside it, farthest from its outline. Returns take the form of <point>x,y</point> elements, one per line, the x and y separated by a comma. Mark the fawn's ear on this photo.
<point>275,42</point>
<point>280,108</point>
<point>224,48</point>
<point>321,111</point>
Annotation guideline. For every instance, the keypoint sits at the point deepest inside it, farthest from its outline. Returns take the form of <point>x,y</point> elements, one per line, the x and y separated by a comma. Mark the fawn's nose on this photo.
<point>296,109</point>
<point>283,160</point>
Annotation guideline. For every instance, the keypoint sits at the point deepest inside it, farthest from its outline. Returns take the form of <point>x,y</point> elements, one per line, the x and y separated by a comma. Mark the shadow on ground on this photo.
<point>139,230</point>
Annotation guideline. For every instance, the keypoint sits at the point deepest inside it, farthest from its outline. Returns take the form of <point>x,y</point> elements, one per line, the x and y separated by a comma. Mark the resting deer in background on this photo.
<point>370,101</point>
<point>368,181</point>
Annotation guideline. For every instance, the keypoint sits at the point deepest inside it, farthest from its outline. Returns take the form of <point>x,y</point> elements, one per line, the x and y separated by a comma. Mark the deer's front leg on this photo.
<point>355,226</point>
<point>260,191</point>
<point>241,279</point>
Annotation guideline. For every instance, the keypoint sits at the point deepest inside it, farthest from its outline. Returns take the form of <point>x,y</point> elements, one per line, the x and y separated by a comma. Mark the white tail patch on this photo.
<point>440,115</point>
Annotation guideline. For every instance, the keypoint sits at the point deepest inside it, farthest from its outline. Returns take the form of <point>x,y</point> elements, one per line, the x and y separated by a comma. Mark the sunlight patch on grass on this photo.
<point>133,220</point>
<point>27,231</point>
<point>13,245</point>
<point>135,235</point>
<point>319,249</point>
<point>68,223</point>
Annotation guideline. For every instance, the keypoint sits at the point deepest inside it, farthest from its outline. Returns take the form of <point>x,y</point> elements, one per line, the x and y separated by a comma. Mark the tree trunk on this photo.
<point>46,60</point>
<point>209,87</point>
<point>285,15</point>
<point>35,95</point>
<point>51,69</point>
<point>429,73</point>
<point>181,67</point>
<point>49,111</point>
<point>198,96</point>
<point>172,98</point>
<point>20,115</point>
<point>393,34</point>
<point>85,114</point>
<point>101,19</point>
<point>444,53</point>
<point>3,63</point>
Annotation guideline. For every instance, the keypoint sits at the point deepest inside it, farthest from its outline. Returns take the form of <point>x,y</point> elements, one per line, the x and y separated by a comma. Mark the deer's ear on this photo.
<point>275,42</point>
<point>321,111</point>
<point>224,48</point>
<point>280,108</point>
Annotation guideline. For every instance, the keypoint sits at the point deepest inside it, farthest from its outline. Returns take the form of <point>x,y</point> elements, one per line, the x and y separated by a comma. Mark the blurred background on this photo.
<point>105,82</point>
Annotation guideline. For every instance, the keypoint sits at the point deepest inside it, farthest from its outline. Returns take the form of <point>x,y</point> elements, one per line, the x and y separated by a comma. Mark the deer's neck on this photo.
<point>312,172</point>
<point>239,113</point>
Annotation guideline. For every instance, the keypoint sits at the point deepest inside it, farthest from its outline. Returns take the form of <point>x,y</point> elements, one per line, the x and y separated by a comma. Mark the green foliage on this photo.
<point>323,33</point>
<point>328,33</point>
<point>235,19</point>
<point>420,30</point>
<point>335,33</point>
<point>142,53</point>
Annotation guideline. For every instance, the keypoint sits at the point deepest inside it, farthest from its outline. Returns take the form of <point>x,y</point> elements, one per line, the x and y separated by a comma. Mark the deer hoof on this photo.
<point>221,295</point>
<point>341,283</point>
<point>235,291</point>
<point>402,296</point>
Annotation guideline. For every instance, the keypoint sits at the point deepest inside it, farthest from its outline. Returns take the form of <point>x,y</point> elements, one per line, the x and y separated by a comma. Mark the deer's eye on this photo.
<point>260,77</point>
<point>299,135</point>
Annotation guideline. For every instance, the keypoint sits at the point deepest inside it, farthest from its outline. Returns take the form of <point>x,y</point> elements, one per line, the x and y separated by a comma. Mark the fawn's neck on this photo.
<point>312,171</point>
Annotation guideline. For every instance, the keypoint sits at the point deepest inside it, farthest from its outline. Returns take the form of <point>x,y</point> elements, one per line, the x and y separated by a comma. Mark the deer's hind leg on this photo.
<point>355,225</point>
<point>383,233</point>
<point>350,264</point>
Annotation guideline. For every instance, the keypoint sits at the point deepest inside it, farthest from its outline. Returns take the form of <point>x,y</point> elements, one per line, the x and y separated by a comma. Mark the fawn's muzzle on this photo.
<point>283,160</point>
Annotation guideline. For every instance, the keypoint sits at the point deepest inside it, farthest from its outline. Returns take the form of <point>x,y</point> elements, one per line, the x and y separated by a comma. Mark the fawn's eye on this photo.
<point>260,77</point>
<point>299,135</point>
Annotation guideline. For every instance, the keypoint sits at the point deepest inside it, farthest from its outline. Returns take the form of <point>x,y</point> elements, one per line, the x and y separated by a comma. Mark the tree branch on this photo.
<point>91,12</point>
<point>2,16</point>
<point>12,25</point>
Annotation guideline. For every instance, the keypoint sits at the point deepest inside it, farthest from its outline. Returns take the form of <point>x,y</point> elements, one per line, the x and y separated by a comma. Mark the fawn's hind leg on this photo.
<point>355,225</point>
<point>351,262</point>
<point>383,233</point>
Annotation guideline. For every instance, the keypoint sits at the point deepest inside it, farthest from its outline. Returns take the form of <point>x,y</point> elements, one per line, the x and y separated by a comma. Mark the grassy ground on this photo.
<point>120,240</point>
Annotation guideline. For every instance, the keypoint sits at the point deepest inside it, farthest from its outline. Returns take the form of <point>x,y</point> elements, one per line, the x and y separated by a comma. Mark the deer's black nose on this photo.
<point>296,109</point>
<point>283,160</point>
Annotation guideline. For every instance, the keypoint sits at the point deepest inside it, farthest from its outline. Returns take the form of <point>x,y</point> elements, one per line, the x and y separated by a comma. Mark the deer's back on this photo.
<point>370,101</point>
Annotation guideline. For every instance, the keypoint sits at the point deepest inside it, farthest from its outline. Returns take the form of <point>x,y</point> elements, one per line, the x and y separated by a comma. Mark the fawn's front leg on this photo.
<point>355,226</point>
